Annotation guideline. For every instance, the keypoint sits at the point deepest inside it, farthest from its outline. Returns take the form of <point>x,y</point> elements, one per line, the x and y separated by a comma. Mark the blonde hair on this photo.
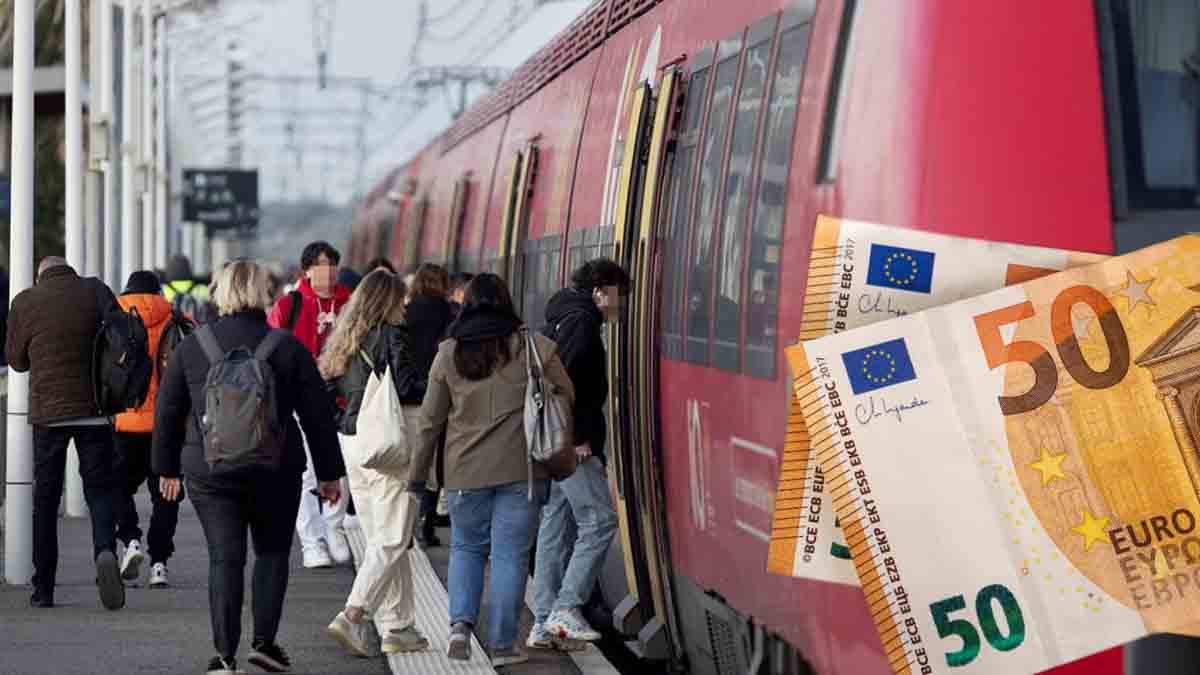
<point>243,285</point>
<point>378,299</point>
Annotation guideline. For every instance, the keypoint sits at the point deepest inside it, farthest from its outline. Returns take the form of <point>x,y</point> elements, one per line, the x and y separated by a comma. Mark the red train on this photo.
<point>696,141</point>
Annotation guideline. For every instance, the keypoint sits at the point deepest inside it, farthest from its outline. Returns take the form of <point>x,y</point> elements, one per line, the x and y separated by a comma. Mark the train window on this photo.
<point>699,281</point>
<point>1152,87</point>
<point>458,209</point>
<point>681,168</point>
<point>835,114</point>
<point>770,202</point>
<point>731,235</point>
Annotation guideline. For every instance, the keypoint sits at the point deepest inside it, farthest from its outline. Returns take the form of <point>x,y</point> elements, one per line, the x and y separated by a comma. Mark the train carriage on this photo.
<point>697,141</point>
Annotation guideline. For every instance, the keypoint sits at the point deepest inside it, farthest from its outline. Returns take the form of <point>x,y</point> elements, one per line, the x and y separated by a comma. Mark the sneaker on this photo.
<point>570,624</point>
<point>459,647</point>
<point>131,562</point>
<point>270,657</point>
<point>108,578</point>
<point>404,640</point>
<point>220,666</point>
<point>158,576</point>
<point>508,657</point>
<point>339,547</point>
<point>41,599</point>
<point>352,636</point>
<point>317,558</point>
<point>539,637</point>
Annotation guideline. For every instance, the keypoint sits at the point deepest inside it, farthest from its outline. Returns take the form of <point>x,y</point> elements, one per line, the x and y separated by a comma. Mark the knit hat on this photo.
<point>142,282</point>
<point>179,268</point>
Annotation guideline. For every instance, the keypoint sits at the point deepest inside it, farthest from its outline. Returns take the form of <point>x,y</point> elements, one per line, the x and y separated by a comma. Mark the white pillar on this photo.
<point>161,175</point>
<point>131,236</point>
<point>222,250</point>
<point>147,118</point>
<point>201,249</point>
<point>93,217</point>
<point>111,163</point>
<point>18,524</point>
<point>74,201</point>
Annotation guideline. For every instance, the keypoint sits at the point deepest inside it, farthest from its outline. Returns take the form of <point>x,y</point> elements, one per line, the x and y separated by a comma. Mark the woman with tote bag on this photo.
<point>369,361</point>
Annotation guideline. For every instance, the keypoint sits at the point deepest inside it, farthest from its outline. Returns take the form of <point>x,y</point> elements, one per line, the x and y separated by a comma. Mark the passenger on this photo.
<point>580,503</point>
<point>458,287</point>
<point>186,296</point>
<point>381,263</point>
<point>257,497</point>
<point>428,317</point>
<point>55,347</point>
<point>164,328</point>
<point>309,313</point>
<point>476,394</point>
<point>372,327</point>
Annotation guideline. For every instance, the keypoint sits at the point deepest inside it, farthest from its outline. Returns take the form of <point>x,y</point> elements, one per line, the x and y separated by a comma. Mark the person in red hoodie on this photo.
<point>309,313</point>
<point>134,431</point>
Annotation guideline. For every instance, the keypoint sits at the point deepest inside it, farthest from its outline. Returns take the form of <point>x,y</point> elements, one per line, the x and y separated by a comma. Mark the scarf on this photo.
<point>484,322</point>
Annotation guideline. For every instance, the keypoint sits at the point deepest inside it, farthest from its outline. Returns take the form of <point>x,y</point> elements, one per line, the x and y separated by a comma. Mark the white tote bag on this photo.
<point>379,441</point>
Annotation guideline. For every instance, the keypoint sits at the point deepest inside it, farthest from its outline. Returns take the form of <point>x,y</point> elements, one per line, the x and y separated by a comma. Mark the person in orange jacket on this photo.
<point>134,428</point>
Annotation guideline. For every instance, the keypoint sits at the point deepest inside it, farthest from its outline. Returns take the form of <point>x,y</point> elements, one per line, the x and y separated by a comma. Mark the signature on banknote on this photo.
<point>877,406</point>
<point>874,304</point>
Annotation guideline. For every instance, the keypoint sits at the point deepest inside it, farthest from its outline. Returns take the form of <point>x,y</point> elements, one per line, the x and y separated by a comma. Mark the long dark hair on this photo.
<point>478,359</point>
<point>430,279</point>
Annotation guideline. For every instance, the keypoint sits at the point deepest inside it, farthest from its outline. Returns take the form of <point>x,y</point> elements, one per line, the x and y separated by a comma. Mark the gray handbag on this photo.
<point>548,423</point>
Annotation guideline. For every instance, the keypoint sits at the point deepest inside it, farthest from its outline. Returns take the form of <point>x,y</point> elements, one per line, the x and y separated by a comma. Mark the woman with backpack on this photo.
<point>243,462</point>
<point>476,394</point>
<point>370,338</point>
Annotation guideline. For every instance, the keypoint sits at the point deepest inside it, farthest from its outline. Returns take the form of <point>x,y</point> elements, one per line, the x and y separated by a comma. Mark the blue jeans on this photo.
<point>564,579</point>
<point>494,522</point>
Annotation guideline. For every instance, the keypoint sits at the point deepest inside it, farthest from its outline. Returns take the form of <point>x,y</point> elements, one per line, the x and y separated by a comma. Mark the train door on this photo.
<point>510,262</point>
<point>632,369</point>
<point>458,209</point>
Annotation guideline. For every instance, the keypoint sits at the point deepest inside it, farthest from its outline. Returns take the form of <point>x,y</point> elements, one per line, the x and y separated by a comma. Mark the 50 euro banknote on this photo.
<point>861,273</point>
<point>1017,473</point>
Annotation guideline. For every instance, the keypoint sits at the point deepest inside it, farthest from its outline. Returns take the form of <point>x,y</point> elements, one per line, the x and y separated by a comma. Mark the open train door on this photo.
<point>633,351</point>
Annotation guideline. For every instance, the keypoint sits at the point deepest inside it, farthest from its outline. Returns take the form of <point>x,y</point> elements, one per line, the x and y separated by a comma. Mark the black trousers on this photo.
<point>132,468</point>
<point>95,447</point>
<point>266,506</point>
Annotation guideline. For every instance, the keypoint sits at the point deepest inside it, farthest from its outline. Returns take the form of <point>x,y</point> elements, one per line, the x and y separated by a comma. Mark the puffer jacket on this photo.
<point>387,345</point>
<point>52,329</point>
<point>574,322</point>
<point>483,419</point>
<point>155,313</point>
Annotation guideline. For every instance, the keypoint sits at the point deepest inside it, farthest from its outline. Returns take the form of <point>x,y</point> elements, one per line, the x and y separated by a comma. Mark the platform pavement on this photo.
<point>168,630</point>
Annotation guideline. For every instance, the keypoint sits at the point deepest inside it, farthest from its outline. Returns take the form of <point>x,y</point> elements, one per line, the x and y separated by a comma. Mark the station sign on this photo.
<point>221,199</point>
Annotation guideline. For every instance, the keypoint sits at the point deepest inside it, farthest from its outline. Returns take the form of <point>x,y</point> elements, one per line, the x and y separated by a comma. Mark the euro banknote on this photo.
<point>861,273</point>
<point>1017,473</point>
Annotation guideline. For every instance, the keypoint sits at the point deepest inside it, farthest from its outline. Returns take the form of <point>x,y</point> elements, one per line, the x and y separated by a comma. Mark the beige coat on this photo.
<point>485,432</point>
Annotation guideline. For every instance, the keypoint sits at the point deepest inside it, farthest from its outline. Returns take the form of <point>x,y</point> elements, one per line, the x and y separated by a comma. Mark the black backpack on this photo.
<point>199,311</point>
<point>178,327</point>
<point>121,365</point>
<point>241,428</point>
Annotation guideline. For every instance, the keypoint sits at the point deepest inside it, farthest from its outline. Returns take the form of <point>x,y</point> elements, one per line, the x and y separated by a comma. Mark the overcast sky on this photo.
<point>371,38</point>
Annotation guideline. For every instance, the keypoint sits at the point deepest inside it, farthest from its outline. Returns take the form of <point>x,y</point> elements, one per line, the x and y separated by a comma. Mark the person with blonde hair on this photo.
<point>370,337</point>
<point>259,495</point>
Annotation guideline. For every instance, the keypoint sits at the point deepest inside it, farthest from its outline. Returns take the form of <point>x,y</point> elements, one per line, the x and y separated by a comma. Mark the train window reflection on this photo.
<point>681,169</point>
<point>699,281</point>
<point>737,191</point>
<point>766,234</point>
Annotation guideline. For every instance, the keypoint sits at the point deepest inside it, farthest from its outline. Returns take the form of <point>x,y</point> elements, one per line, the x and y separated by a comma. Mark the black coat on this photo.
<point>574,322</point>
<point>427,318</point>
<point>388,346</point>
<point>51,333</point>
<point>301,393</point>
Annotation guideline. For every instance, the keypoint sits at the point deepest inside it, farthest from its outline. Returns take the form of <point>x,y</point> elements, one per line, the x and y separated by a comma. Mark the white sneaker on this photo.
<point>352,636</point>
<point>131,562</point>
<point>570,624</point>
<point>158,576</point>
<point>339,547</point>
<point>317,557</point>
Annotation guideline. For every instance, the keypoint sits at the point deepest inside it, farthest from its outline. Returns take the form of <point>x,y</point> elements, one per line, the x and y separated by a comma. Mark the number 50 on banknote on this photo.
<point>1017,473</point>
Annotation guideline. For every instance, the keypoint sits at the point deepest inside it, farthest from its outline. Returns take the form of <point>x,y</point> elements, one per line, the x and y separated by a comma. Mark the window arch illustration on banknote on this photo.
<point>1174,363</point>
